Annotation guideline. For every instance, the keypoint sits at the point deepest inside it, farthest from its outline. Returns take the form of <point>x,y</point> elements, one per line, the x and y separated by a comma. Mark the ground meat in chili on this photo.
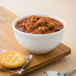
<point>39,25</point>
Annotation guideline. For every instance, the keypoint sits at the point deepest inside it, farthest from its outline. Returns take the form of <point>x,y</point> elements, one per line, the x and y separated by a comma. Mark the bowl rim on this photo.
<point>44,15</point>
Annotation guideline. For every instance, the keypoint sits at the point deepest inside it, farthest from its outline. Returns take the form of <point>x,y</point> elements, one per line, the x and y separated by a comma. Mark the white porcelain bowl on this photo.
<point>39,43</point>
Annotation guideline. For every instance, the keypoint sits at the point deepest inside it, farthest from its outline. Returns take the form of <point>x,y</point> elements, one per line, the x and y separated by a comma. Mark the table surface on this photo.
<point>65,9</point>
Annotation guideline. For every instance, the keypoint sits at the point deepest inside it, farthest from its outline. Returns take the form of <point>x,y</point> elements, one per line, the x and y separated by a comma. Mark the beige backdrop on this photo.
<point>65,9</point>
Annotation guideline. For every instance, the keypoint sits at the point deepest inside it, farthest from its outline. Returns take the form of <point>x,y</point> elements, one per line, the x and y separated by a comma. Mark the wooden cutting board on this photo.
<point>8,42</point>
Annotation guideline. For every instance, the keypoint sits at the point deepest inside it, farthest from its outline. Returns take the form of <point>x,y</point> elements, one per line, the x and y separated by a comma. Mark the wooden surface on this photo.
<point>8,42</point>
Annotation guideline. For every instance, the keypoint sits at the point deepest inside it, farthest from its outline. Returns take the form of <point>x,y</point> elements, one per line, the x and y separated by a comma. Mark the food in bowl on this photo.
<point>39,43</point>
<point>39,25</point>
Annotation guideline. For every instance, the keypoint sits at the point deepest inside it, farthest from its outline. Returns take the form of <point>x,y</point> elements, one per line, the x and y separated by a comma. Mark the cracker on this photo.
<point>2,67</point>
<point>12,59</point>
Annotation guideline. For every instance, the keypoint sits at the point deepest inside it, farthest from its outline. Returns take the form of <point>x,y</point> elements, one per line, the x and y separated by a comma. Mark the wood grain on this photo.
<point>8,42</point>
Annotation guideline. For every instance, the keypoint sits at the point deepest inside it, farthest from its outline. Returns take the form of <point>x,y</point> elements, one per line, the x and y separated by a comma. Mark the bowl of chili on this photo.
<point>39,33</point>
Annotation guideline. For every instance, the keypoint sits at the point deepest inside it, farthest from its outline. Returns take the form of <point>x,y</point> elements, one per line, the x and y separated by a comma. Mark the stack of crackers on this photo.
<point>11,59</point>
